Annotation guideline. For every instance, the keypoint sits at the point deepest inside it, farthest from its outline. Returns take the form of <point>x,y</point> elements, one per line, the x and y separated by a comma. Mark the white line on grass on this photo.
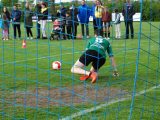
<point>83,112</point>
<point>35,58</point>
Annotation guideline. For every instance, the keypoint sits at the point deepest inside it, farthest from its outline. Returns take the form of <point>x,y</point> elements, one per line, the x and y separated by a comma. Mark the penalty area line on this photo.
<point>38,58</point>
<point>83,112</point>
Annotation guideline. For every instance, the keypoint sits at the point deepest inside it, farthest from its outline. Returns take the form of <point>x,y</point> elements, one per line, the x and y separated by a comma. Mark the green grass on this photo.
<point>24,70</point>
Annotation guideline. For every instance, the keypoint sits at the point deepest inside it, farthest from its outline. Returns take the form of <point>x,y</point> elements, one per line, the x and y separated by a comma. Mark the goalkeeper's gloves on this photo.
<point>115,73</point>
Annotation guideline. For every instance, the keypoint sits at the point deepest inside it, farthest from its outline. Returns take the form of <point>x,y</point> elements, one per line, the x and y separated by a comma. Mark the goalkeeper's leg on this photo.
<point>77,68</point>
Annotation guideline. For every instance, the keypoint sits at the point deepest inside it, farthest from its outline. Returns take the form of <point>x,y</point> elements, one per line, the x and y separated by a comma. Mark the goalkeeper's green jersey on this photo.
<point>101,45</point>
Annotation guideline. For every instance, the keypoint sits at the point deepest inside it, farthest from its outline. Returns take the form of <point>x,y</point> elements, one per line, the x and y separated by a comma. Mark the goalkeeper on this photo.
<point>95,53</point>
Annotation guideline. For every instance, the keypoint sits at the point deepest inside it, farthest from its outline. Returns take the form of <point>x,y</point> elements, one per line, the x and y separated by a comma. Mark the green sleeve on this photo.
<point>88,45</point>
<point>109,50</point>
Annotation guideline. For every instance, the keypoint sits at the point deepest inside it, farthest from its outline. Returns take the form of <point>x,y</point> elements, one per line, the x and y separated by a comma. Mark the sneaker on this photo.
<point>37,37</point>
<point>94,77</point>
<point>7,39</point>
<point>108,38</point>
<point>44,37</point>
<point>84,77</point>
<point>87,37</point>
<point>27,38</point>
<point>31,38</point>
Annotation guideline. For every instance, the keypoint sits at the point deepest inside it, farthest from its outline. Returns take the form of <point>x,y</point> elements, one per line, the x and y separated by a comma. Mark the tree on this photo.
<point>9,3</point>
<point>52,10</point>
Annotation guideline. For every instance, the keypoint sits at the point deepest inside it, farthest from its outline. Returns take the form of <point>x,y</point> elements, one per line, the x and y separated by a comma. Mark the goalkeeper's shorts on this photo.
<point>92,56</point>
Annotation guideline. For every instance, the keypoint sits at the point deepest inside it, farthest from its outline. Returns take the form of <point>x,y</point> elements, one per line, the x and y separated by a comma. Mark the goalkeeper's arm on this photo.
<point>115,71</point>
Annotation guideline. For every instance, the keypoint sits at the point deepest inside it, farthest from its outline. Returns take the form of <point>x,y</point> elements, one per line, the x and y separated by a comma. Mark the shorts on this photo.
<point>106,24</point>
<point>92,56</point>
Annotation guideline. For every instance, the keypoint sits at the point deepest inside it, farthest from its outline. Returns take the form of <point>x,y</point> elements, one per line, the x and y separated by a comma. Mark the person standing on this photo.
<point>38,15</point>
<point>128,12</point>
<point>5,27</point>
<point>83,15</point>
<point>61,13</point>
<point>6,15</point>
<point>93,15</point>
<point>106,19</point>
<point>16,17</point>
<point>68,25</point>
<point>74,13</point>
<point>117,24</point>
<point>98,16</point>
<point>28,20</point>
<point>43,19</point>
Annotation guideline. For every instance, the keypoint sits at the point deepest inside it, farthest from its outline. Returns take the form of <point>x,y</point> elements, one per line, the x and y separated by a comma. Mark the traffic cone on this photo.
<point>24,44</point>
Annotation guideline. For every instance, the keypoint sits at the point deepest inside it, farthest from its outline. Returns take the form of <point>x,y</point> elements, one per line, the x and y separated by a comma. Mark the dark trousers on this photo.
<point>94,26</point>
<point>74,31</point>
<point>87,29</point>
<point>29,32</point>
<point>99,26</point>
<point>38,30</point>
<point>17,27</point>
<point>63,32</point>
<point>129,24</point>
<point>69,33</point>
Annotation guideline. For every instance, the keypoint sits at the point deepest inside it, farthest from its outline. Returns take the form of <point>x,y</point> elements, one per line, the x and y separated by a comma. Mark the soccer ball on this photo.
<point>56,65</point>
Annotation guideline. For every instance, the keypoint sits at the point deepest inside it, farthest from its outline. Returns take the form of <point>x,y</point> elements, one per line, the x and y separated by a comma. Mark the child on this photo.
<point>68,25</point>
<point>117,24</point>
<point>7,13</point>
<point>57,28</point>
<point>56,25</point>
<point>106,18</point>
<point>43,19</point>
<point>5,27</point>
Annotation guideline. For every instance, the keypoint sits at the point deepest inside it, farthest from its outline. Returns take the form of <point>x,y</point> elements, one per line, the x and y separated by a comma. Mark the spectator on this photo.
<point>16,17</point>
<point>43,19</point>
<point>62,14</point>
<point>106,19</point>
<point>7,14</point>
<point>68,25</point>
<point>74,13</point>
<point>117,24</point>
<point>93,15</point>
<point>28,20</point>
<point>83,15</point>
<point>128,12</point>
<point>38,15</point>
<point>5,27</point>
<point>98,16</point>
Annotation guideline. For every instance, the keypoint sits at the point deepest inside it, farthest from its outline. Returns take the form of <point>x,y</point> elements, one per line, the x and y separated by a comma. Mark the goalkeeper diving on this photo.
<point>96,53</point>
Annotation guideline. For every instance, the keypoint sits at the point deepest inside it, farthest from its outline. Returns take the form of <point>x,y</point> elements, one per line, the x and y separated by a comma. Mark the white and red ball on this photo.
<point>56,65</point>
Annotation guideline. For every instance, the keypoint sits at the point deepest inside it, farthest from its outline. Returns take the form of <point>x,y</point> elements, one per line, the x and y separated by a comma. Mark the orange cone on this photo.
<point>24,44</point>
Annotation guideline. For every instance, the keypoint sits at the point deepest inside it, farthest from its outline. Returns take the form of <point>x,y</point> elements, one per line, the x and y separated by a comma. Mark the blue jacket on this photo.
<point>128,12</point>
<point>17,15</point>
<point>84,13</point>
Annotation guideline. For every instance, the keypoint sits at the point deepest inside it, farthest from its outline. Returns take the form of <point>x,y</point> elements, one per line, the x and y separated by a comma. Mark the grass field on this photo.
<point>30,89</point>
